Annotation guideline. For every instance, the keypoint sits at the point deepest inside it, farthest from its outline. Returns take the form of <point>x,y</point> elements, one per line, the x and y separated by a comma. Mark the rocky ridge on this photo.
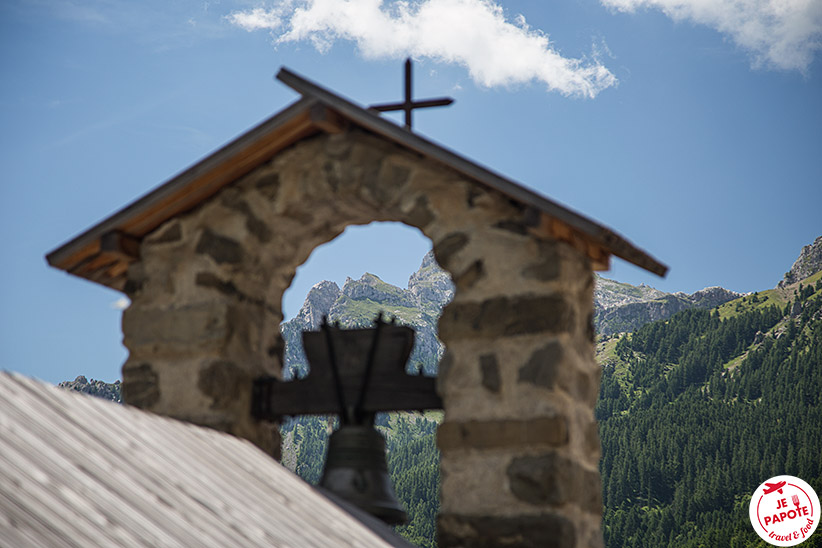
<point>358,303</point>
<point>100,389</point>
<point>808,264</point>
<point>618,307</point>
<point>611,293</point>
<point>621,307</point>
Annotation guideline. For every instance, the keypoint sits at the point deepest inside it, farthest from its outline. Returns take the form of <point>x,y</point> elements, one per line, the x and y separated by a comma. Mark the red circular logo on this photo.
<point>784,511</point>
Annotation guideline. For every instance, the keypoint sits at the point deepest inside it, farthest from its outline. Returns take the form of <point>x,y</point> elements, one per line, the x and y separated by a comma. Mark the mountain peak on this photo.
<point>371,287</point>
<point>321,297</point>
<point>712,296</point>
<point>808,264</point>
<point>430,285</point>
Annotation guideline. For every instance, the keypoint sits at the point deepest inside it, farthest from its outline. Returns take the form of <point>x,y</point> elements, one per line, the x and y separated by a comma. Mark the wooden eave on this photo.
<point>103,252</point>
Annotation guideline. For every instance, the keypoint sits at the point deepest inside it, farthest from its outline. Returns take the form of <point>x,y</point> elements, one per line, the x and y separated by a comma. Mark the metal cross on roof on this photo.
<point>409,104</point>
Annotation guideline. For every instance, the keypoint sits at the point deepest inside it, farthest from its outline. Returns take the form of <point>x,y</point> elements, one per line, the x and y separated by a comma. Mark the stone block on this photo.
<point>543,368</point>
<point>591,443</point>
<point>268,185</point>
<point>489,369</point>
<point>233,200</point>
<point>513,226</point>
<point>448,246</point>
<point>169,233</point>
<point>547,266</point>
<point>470,276</point>
<point>506,316</point>
<point>554,480</point>
<point>420,215</point>
<point>141,387</point>
<point>193,329</point>
<point>224,382</point>
<point>546,530</point>
<point>222,249</point>
<point>503,433</point>
<point>551,367</point>
<point>211,280</point>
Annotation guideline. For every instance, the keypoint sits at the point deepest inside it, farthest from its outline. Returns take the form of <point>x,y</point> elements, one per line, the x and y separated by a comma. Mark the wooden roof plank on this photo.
<point>110,475</point>
<point>102,478</point>
<point>162,483</point>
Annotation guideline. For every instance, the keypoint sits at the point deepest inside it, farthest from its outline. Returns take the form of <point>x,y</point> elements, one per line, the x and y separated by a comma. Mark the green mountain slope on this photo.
<point>696,411</point>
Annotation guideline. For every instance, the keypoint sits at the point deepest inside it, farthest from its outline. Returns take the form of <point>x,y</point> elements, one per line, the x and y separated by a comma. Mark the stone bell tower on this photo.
<point>206,257</point>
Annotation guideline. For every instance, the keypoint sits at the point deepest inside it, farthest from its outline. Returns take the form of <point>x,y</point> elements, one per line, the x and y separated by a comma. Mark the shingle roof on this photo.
<point>102,253</point>
<point>79,471</point>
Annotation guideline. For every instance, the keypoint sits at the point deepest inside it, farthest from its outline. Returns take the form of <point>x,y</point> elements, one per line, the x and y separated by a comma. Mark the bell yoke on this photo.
<point>345,365</point>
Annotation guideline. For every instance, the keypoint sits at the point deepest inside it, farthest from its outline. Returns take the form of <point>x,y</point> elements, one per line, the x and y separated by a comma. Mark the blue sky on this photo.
<point>692,127</point>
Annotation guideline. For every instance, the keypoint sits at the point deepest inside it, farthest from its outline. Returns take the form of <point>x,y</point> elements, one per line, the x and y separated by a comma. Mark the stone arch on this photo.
<point>518,379</point>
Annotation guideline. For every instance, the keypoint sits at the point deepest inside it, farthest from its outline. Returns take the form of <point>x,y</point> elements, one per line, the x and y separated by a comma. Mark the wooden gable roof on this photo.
<point>103,252</point>
<point>79,471</point>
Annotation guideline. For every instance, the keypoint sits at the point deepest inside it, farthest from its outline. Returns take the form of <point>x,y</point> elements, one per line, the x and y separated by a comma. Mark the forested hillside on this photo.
<point>695,412</point>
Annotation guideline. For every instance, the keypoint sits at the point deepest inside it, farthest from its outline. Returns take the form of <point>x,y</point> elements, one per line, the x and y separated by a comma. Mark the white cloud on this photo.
<point>256,19</point>
<point>782,34</point>
<point>121,304</point>
<point>472,33</point>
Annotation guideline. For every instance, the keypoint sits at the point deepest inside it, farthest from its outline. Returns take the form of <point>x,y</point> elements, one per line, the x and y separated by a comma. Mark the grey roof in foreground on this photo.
<point>79,471</point>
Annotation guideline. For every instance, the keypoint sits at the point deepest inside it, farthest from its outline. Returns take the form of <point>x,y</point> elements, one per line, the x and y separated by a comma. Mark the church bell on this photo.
<point>356,471</point>
<point>345,365</point>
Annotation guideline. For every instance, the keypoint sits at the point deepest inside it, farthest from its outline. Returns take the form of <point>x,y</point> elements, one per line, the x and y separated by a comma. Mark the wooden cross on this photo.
<point>409,105</point>
<point>341,376</point>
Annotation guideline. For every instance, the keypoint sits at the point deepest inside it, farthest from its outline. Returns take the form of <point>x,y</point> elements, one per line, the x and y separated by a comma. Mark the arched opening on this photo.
<point>390,250</point>
<point>383,267</point>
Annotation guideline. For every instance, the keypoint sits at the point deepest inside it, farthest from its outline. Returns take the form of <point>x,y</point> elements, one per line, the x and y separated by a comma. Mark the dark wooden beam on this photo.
<point>326,119</point>
<point>389,388</point>
<point>274,399</point>
<point>120,244</point>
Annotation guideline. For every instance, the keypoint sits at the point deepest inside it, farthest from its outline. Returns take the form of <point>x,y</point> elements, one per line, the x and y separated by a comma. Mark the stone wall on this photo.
<point>519,381</point>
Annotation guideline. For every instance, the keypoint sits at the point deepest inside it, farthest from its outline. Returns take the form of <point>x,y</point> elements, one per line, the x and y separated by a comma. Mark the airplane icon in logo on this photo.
<point>771,487</point>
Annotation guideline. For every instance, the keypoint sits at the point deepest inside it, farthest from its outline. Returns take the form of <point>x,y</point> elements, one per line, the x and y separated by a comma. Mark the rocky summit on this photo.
<point>808,264</point>
<point>621,307</point>
<point>105,390</point>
